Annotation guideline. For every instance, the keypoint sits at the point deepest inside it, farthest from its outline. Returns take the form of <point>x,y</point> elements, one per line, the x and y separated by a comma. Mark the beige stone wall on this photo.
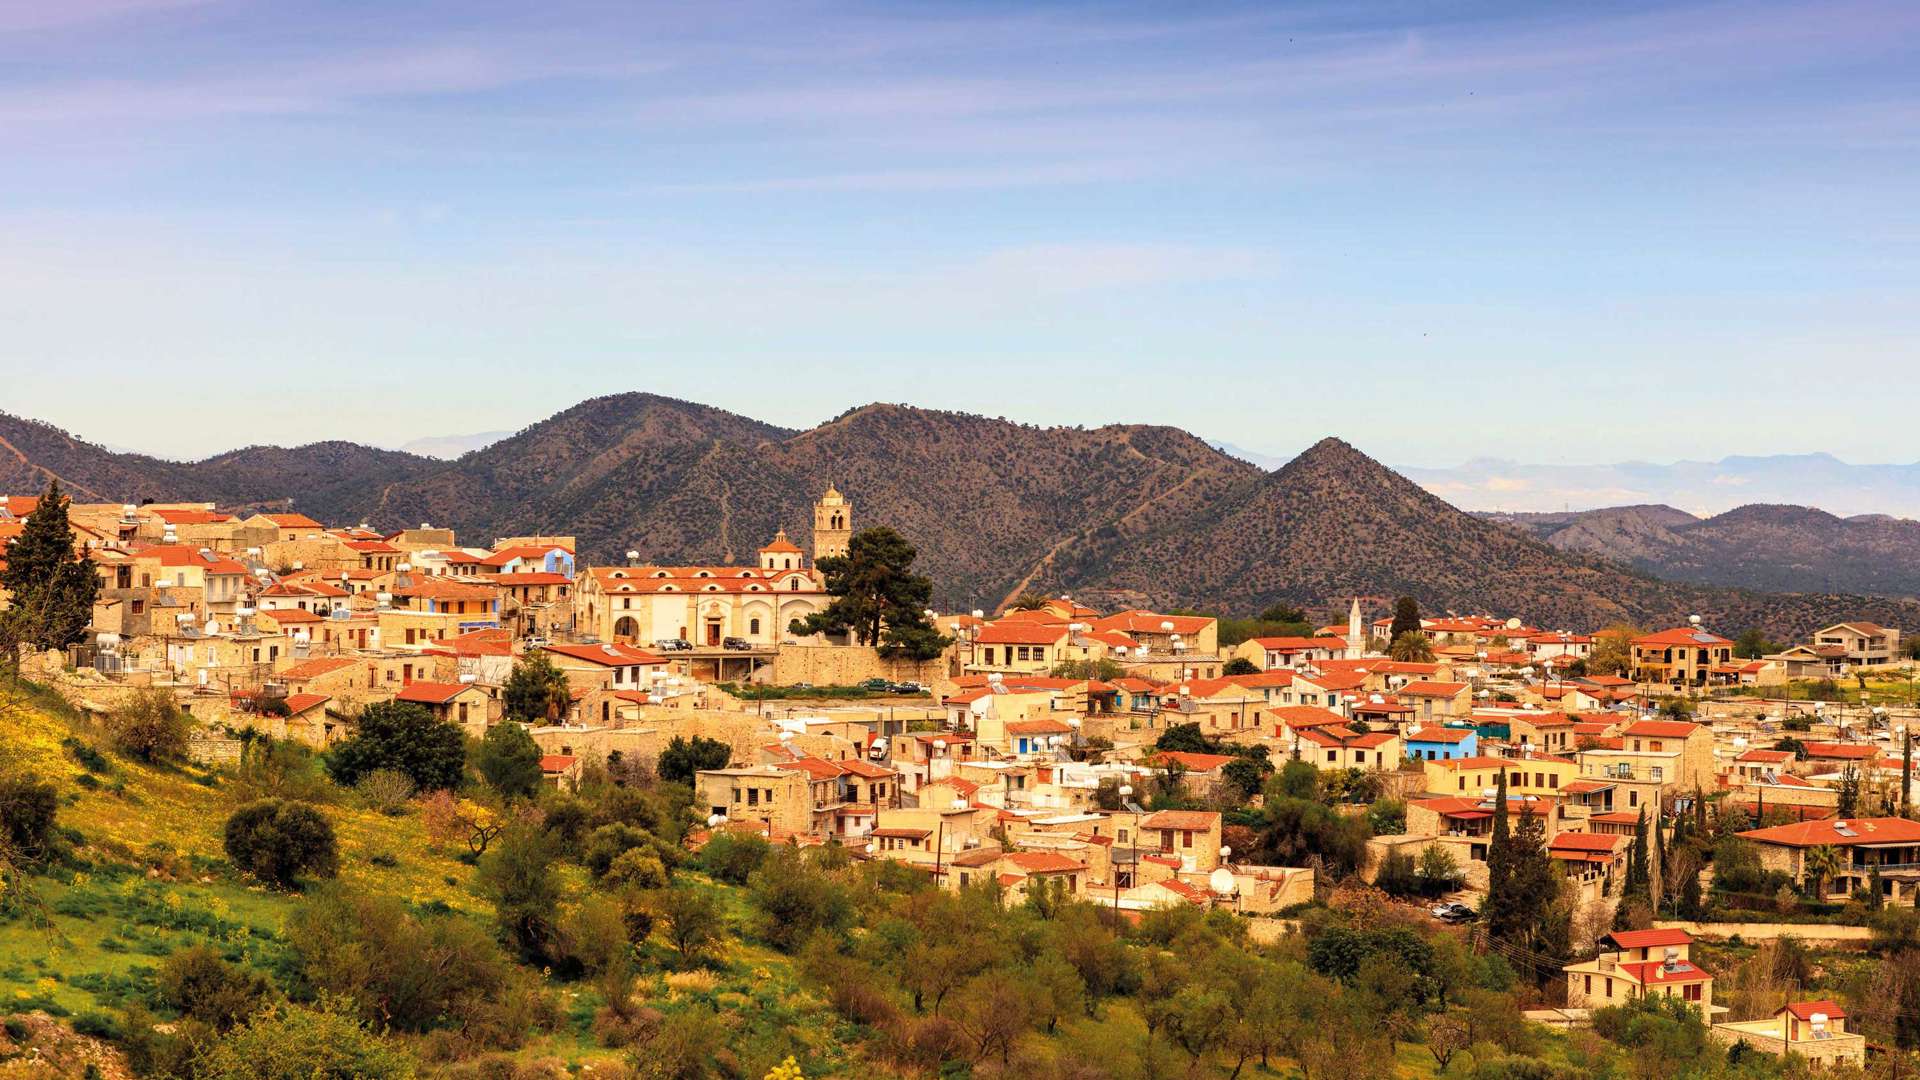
<point>847,665</point>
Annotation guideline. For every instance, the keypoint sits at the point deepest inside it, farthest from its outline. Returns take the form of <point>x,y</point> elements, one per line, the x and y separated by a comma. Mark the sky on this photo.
<point>1555,233</point>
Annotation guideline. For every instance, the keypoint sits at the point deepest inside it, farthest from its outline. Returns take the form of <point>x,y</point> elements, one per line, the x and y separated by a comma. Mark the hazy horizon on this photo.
<point>1455,232</point>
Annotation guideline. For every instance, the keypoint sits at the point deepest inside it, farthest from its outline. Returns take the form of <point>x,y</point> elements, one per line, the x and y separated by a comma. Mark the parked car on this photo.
<point>738,644</point>
<point>911,688</point>
<point>670,644</point>
<point>1453,913</point>
<point>878,686</point>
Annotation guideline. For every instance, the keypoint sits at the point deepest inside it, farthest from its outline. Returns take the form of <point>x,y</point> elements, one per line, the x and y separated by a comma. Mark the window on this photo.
<point>753,626</point>
<point>1588,988</point>
<point>1333,755</point>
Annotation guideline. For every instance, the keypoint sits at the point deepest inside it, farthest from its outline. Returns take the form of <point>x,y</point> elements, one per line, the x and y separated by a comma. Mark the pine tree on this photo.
<point>536,691</point>
<point>52,585</point>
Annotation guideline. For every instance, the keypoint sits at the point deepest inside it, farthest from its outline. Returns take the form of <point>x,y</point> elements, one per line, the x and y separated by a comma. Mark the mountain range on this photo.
<point>1698,487</point>
<point>1782,548</point>
<point>1120,515</point>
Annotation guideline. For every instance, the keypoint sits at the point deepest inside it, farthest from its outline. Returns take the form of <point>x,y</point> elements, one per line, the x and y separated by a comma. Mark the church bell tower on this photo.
<point>832,525</point>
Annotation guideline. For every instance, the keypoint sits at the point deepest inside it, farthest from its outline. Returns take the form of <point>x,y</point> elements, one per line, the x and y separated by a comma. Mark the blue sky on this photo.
<point>1551,232</point>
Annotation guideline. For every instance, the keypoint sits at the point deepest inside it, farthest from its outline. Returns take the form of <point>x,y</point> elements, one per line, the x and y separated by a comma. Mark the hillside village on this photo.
<point>1052,752</point>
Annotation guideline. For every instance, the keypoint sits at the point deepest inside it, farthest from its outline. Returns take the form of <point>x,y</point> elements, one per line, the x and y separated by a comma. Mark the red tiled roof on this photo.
<point>616,654</point>
<point>1816,833</point>
<point>1038,727</point>
<point>1660,729</point>
<point>1045,862</point>
<point>299,703</point>
<point>1001,633</point>
<point>431,693</point>
<point>556,763</point>
<point>1649,939</point>
<point>1826,1007</point>
<point>1440,735</point>
<point>1842,751</point>
<point>1190,761</point>
<point>1341,737</point>
<point>1775,757</point>
<point>1300,644</point>
<point>292,521</point>
<point>1423,688</point>
<point>1682,636</point>
<point>1147,622</point>
<point>1305,716</point>
<point>316,667</point>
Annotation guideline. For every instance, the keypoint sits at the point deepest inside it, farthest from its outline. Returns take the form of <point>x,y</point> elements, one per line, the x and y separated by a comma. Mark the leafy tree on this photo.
<point>536,691</point>
<point>694,921</point>
<point>796,899</point>
<point>403,736</point>
<point>1414,648</point>
<point>1283,612</point>
<point>1186,739</point>
<point>1439,871</point>
<point>1613,650</point>
<point>681,758</point>
<point>404,969</point>
<point>1406,618</point>
<point>1245,776</point>
<point>1104,669</point>
<point>877,598</point>
<point>1240,665</point>
<point>28,809</point>
<point>297,1042</point>
<point>149,726</point>
<point>52,584</point>
<point>733,857</point>
<point>1849,804</point>
<point>509,760</point>
<point>198,983</point>
<point>517,874</point>
<point>280,841</point>
<point>1752,645</point>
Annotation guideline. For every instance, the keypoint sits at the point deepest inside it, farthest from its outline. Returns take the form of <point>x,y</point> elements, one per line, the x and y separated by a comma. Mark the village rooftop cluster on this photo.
<point>1031,750</point>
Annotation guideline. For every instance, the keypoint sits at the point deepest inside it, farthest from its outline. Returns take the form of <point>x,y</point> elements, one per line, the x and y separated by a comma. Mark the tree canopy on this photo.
<point>509,760</point>
<point>52,585</point>
<point>405,737</point>
<point>536,691</point>
<point>877,599</point>
<point>1406,618</point>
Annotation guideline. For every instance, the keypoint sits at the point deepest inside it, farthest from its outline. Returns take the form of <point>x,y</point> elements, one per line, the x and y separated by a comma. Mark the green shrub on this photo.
<point>280,842</point>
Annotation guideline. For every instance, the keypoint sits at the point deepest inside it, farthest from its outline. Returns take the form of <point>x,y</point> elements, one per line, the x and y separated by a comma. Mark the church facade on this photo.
<point>706,605</point>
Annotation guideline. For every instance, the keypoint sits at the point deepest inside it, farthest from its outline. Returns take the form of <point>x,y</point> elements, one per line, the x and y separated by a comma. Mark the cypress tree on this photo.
<point>1906,774</point>
<point>1406,618</point>
<point>52,585</point>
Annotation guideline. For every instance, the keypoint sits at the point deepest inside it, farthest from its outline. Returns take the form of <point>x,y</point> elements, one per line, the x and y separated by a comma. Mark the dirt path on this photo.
<point>64,482</point>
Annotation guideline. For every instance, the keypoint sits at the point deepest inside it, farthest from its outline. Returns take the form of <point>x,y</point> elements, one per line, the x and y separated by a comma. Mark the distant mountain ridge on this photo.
<point>1118,515</point>
<point>1699,487</point>
<point>1779,548</point>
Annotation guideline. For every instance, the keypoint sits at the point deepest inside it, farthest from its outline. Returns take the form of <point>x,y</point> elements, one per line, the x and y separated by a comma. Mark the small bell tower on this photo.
<point>832,525</point>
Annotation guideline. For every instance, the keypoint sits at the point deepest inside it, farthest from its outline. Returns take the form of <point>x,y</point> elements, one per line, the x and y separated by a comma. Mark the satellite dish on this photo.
<point>1514,624</point>
<point>1221,881</point>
